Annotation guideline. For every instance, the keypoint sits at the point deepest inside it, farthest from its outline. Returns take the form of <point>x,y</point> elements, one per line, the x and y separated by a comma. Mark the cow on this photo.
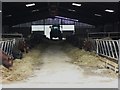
<point>19,47</point>
<point>7,61</point>
<point>88,45</point>
<point>34,39</point>
<point>22,46</point>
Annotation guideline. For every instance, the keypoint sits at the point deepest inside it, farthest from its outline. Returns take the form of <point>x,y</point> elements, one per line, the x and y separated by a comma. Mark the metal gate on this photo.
<point>7,46</point>
<point>108,48</point>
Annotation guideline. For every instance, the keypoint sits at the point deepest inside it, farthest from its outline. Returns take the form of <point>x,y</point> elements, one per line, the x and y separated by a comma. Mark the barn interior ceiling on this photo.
<point>94,13</point>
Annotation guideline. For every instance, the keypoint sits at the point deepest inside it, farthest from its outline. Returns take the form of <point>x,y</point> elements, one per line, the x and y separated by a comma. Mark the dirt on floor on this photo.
<point>24,67</point>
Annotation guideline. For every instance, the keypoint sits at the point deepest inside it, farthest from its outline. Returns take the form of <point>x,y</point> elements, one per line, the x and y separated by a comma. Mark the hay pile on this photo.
<point>22,68</point>
<point>19,71</point>
<point>89,61</point>
<point>83,58</point>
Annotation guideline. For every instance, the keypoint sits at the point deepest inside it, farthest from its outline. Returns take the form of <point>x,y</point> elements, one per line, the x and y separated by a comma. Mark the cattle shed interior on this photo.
<point>60,44</point>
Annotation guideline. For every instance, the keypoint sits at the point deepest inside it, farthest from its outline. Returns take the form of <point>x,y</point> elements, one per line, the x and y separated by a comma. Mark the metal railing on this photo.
<point>108,48</point>
<point>96,35</point>
<point>7,46</point>
<point>12,36</point>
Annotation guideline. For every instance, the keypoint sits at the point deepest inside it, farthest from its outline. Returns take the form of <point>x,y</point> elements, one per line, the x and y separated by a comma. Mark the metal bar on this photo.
<point>2,43</point>
<point>106,44</point>
<point>116,53</point>
<point>104,33</point>
<point>109,57</point>
<point>9,48</point>
<point>5,47</point>
<point>108,48</point>
<point>6,50</point>
<point>105,47</point>
<point>102,48</point>
<point>98,37</point>
<point>107,40</point>
<point>20,35</point>
<point>12,45</point>
<point>13,34</point>
<point>97,46</point>
<point>111,49</point>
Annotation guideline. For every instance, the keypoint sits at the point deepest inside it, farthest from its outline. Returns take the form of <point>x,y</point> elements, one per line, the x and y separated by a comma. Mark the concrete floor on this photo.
<point>58,72</point>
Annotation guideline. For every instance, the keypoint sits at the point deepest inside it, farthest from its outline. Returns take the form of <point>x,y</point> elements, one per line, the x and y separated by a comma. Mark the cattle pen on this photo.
<point>54,47</point>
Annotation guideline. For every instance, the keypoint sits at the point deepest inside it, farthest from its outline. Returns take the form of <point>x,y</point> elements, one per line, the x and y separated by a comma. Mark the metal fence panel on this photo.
<point>108,48</point>
<point>7,46</point>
